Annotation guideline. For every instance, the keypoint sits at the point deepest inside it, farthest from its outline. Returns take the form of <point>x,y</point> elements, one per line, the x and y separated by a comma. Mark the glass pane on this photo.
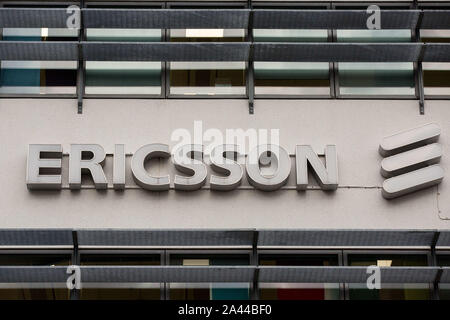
<point>436,78</point>
<point>38,77</point>
<point>120,291</point>
<point>291,78</point>
<point>34,294</point>
<point>150,293</point>
<point>12,292</point>
<point>435,36</point>
<point>444,288</point>
<point>207,78</point>
<point>299,291</point>
<point>123,77</point>
<point>369,79</point>
<point>209,291</point>
<point>35,260</point>
<point>120,260</point>
<point>389,291</point>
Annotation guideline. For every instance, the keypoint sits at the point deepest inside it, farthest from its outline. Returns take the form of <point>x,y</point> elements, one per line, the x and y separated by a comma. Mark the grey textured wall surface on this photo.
<point>355,126</point>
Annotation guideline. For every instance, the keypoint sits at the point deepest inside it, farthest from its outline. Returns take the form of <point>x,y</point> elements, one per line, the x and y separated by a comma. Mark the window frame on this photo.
<point>426,252</point>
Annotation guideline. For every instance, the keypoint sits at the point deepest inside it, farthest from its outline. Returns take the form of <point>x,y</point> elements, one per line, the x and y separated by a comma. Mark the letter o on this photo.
<point>272,182</point>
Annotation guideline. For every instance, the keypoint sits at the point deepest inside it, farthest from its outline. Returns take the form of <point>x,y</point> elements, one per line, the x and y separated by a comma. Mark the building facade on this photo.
<point>342,79</point>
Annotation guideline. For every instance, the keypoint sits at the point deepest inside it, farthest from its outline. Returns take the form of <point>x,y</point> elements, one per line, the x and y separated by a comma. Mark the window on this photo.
<point>444,288</point>
<point>120,291</point>
<point>376,78</point>
<point>291,78</point>
<point>123,77</point>
<point>209,291</point>
<point>11,291</point>
<point>436,75</point>
<point>299,291</point>
<point>38,77</point>
<point>208,78</point>
<point>389,291</point>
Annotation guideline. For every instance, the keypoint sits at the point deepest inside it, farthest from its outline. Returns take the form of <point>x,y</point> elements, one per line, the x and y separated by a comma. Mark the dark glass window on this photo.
<point>389,291</point>
<point>209,291</point>
<point>299,291</point>
<point>192,78</point>
<point>123,77</point>
<point>121,291</point>
<point>11,292</point>
<point>444,288</point>
<point>291,78</point>
<point>436,75</point>
<point>38,77</point>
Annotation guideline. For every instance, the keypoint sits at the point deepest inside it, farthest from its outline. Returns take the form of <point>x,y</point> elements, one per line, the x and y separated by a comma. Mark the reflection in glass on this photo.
<point>382,78</point>
<point>299,291</point>
<point>36,291</point>
<point>389,291</point>
<point>38,77</point>
<point>123,77</point>
<point>209,291</point>
<point>436,78</point>
<point>120,291</point>
<point>291,78</point>
<point>444,288</point>
<point>207,78</point>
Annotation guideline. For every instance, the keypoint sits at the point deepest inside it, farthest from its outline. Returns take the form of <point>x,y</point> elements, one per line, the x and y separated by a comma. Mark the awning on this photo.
<point>36,237</point>
<point>165,238</point>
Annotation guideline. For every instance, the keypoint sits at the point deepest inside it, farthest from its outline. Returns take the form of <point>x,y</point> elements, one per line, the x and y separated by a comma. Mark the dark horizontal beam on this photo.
<point>38,50</point>
<point>223,51</point>
<point>337,52</point>
<point>435,19</point>
<point>35,237</point>
<point>332,19</point>
<point>242,274</point>
<point>166,18</point>
<point>221,18</point>
<point>340,274</point>
<point>267,238</point>
<point>345,238</point>
<point>165,238</point>
<point>166,51</point>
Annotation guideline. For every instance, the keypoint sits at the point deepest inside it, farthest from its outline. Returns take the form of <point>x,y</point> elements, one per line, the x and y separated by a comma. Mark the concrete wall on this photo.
<point>355,126</point>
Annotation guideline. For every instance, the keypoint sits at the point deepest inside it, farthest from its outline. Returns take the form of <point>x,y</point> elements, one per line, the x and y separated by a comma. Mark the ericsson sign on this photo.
<point>44,166</point>
<point>411,163</point>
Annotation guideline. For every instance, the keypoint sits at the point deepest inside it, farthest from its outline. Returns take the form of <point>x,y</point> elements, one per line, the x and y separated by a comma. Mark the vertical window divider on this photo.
<point>331,66</point>
<point>433,262</point>
<point>75,293</point>
<point>419,69</point>
<point>166,262</point>
<point>334,79</point>
<point>165,64</point>
<point>81,66</point>
<point>250,66</point>
<point>254,260</point>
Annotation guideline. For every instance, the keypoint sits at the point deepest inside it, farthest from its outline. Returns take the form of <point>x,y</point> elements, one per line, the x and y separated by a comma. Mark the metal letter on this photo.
<point>221,163</point>
<point>119,167</point>
<point>141,176</point>
<point>408,151</point>
<point>273,153</point>
<point>44,166</point>
<point>326,176</point>
<point>188,159</point>
<point>409,139</point>
<point>93,165</point>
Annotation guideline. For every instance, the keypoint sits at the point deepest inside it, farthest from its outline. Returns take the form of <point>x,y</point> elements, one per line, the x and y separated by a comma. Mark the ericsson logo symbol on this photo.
<point>410,161</point>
